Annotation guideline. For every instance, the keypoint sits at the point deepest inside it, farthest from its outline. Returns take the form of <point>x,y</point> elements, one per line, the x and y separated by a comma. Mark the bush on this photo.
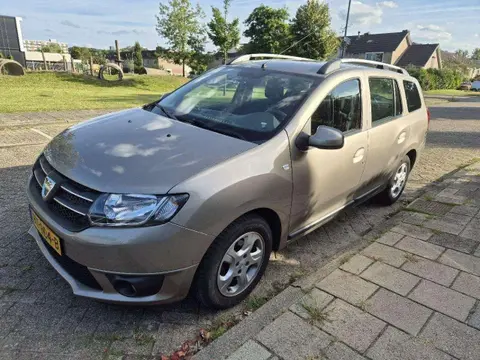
<point>436,79</point>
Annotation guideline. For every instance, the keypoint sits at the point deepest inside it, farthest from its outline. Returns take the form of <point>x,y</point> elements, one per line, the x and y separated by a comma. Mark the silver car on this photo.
<point>194,192</point>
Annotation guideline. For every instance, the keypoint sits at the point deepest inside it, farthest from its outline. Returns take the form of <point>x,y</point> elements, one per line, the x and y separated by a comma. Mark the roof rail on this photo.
<point>250,57</point>
<point>335,65</point>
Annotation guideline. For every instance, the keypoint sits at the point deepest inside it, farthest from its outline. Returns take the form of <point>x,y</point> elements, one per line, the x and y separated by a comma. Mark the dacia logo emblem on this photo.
<point>48,186</point>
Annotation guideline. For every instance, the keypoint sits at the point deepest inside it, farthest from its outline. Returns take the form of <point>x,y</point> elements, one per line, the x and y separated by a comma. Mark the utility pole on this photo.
<point>346,28</point>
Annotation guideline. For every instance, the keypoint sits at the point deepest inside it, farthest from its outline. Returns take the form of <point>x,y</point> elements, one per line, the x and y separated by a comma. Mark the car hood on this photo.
<point>136,151</point>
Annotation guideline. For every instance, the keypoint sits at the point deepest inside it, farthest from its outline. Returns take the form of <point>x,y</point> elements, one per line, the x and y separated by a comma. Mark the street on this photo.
<point>40,316</point>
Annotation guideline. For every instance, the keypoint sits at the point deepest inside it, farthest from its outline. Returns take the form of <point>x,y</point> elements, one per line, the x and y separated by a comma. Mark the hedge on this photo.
<point>435,79</point>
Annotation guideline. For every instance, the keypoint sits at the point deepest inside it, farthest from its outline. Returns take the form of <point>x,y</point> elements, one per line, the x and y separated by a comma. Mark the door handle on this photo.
<point>402,137</point>
<point>359,155</point>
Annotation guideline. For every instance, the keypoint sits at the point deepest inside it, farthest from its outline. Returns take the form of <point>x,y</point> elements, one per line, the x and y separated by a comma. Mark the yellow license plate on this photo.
<point>49,236</point>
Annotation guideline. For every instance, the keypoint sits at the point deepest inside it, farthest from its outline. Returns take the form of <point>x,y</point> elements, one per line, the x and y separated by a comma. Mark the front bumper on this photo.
<point>169,251</point>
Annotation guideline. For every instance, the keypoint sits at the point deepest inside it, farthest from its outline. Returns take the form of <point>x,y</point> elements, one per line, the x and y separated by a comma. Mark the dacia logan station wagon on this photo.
<point>194,192</point>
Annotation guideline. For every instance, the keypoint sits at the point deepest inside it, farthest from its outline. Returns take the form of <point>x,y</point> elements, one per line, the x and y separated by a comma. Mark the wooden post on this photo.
<point>91,65</point>
<point>118,52</point>
<point>44,61</point>
<point>65,63</point>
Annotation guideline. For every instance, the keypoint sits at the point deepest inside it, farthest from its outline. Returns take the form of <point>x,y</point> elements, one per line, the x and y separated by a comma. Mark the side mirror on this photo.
<point>326,138</point>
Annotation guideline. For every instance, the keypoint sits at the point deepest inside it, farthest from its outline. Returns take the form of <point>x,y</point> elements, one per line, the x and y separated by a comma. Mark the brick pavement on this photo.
<point>413,293</point>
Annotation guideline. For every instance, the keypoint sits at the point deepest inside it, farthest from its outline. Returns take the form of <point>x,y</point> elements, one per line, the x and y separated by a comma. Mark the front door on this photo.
<point>388,135</point>
<point>325,181</point>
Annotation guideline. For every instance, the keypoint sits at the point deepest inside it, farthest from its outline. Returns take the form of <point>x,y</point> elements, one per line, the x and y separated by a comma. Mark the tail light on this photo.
<point>428,116</point>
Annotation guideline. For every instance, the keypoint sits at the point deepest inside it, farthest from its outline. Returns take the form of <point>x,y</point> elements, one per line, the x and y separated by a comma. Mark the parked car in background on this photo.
<point>475,86</point>
<point>194,191</point>
<point>467,85</point>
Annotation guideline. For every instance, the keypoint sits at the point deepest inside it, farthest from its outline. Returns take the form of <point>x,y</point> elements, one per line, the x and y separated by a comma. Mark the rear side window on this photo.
<point>385,98</point>
<point>341,109</point>
<point>413,96</point>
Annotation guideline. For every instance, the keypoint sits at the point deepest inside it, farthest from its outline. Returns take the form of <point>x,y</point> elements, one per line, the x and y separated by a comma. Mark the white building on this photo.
<point>36,45</point>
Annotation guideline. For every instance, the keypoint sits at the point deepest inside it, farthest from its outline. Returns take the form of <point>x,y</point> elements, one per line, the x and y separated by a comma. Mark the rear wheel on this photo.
<point>397,183</point>
<point>234,263</point>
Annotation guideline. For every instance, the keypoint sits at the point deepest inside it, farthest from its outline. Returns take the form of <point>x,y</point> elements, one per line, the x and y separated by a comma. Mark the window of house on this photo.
<point>341,109</point>
<point>413,96</point>
<point>385,98</point>
<point>374,56</point>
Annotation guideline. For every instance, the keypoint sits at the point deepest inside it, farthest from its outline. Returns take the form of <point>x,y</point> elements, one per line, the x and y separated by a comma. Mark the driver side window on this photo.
<point>341,109</point>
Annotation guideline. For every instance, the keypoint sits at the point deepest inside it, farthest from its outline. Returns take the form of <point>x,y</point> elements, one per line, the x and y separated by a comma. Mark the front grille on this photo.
<point>76,270</point>
<point>71,201</point>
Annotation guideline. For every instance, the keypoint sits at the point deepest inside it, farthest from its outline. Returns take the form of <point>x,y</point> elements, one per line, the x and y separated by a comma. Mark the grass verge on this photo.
<point>62,91</point>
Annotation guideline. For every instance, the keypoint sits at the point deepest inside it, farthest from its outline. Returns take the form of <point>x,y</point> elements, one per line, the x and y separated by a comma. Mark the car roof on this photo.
<point>307,67</point>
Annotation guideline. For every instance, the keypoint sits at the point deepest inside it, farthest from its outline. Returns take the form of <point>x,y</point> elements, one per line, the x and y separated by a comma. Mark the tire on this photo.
<point>216,265</point>
<point>389,196</point>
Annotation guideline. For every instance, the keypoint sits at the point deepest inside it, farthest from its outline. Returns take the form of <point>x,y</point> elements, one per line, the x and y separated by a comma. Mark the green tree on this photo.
<point>476,54</point>
<point>462,53</point>
<point>51,48</point>
<point>80,53</point>
<point>179,22</point>
<point>311,32</point>
<point>137,58</point>
<point>223,34</point>
<point>267,29</point>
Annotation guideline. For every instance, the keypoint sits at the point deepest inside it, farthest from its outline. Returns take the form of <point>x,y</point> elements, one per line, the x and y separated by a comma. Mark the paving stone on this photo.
<point>170,337</point>
<point>445,225</point>
<point>351,325</point>
<point>385,254</point>
<point>398,311</point>
<point>452,199</point>
<point>443,299</point>
<point>356,264</point>
<point>474,319</point>
<point>396,345</point>
<point>472,230</point>
<point>430,207</point>
<point>431,270</point>
<point>340,351</point>
<point>454,242</point>
<point>293,337</point>
<point>390,238</point>
<point>468,284</point>
<point>391,278</point>
<point>347,286</point>
<point>315,299</point>
<point>461,261</point>
<point>419,247</point>
<point>453,337</point>
<point>413,231</point>
<point>133,346</point>
<point>250,351</point>
<point>477,252</point>
<point>465,210</point>
<point>415,218</point>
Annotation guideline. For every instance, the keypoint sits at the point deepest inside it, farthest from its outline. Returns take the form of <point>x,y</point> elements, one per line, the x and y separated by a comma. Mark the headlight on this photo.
<point>134,210</point>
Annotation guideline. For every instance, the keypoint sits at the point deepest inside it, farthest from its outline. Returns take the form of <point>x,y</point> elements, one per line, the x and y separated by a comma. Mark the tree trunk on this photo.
<point>183,67</point>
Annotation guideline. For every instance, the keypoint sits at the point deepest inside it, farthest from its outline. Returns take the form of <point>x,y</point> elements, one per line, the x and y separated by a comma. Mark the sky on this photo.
<point>92,23</point>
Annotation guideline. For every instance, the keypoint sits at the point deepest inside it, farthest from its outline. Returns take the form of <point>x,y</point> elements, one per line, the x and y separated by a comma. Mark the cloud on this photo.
<point>388,4</point>
<point>121,32</point>
<point>129,150</point>
<point>476,35</point>
<point>363,14</point>
<point>432,33</point>
<point>128,23</point>
<point>70,24</point>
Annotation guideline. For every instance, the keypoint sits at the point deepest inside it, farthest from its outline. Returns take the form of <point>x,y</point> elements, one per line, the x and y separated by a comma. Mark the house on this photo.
<point>393,48</point>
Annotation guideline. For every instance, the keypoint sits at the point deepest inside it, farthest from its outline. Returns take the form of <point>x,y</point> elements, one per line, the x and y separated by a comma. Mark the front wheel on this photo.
<point>234,263</point>
<point>397,183</point>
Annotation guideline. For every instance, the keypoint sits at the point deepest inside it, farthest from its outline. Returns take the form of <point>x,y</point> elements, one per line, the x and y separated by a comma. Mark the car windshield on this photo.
<point>246,103</point>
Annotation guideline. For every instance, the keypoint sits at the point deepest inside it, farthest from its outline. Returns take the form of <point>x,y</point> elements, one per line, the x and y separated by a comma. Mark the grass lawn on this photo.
<point>452,93</point>
<point>60,91</point>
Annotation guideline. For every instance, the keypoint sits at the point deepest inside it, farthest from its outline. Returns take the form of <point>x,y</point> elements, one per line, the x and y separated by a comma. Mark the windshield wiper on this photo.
<point>166,112</point>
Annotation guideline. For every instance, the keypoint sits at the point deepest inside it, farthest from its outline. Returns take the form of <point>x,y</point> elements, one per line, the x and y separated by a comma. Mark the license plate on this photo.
<point>48,235</point>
